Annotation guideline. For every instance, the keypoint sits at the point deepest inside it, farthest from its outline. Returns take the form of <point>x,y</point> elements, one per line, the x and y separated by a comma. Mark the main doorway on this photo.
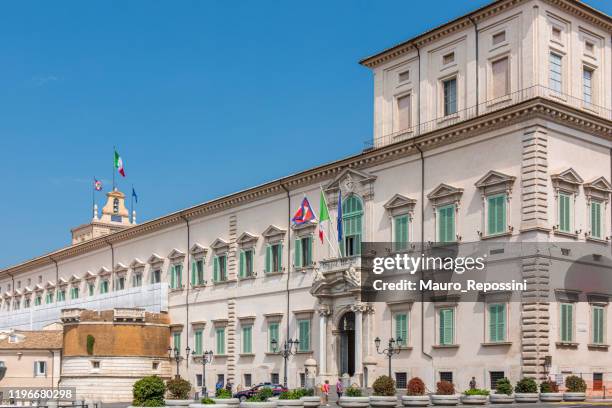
<point>346,329</point>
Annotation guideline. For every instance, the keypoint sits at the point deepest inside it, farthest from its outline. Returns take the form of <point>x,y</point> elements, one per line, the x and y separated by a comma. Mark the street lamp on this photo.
<point>289,349</point>
<point>207,358</point>
<point>177,357</point>
<point>393,348</point>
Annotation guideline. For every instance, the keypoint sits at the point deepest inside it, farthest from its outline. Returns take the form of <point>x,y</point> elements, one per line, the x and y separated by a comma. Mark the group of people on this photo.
<point>325,390</point>
<point>228,385</point>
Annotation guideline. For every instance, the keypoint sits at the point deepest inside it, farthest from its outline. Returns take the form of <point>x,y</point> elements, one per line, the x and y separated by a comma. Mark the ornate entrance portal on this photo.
<point>346,349</point>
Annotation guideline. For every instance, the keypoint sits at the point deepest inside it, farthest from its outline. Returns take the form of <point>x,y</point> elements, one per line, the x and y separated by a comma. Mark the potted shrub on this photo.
<point>204,402</point>
<point>415,394</point>
<point>260,400</point>
<point>353,398</point>
<point>178,392</point>
<point>475,396</point>
<point>503,392</point>
<point>575,389</point>
<point>383,392</point>
<point>549,392</point>
<point>309,398</point>
<point>445,394</point>
<point>149,392</point>
<point>290,399</point>
<point>223,396</point>
<point>526,390</point>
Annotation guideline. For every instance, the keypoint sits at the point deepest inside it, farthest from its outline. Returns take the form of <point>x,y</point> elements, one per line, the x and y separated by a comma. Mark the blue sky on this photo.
<point>202,98</point>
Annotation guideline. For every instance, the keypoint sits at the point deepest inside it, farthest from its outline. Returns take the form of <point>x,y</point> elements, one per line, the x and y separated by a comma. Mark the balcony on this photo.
<point>490,106</point>
<point>342,264</point>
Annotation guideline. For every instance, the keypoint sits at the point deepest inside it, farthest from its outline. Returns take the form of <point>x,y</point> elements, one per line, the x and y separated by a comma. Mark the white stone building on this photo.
<point>505,110</point>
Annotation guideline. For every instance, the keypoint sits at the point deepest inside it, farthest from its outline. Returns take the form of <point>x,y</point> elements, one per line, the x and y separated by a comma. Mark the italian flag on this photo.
<point>323,216</point>
<point>119,164</point>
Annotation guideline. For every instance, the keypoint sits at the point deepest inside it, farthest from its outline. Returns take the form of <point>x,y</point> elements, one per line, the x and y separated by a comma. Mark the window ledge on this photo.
<point>598,346</point>
<point>597,240</point>
<point>172,290</point>
<point>248,277</point>
<point>272,353</point>
<point>274,273</point>
<point>220,356</point>
<point>407,348</point>
<point>304,352</point>
<point>566,234</point>
<point>501,234</point>
<point>450,117</point>
<point>304,269</point>
<point>225,282</point>
<point>566,344</point>
<point>496,343</point>
<point>445,346</point>
<point>198,285</point>
<point>246,355</point>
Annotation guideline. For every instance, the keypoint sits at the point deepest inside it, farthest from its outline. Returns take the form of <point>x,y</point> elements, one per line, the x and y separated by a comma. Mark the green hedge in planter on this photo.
<point>416,386</point>
<point>549,386</point>
<point>222,393</point>
<point>207,401</point>
<point>149,392</point>
<point>307,392</point>
<point>476,391</point>
<point>526,385</point>
<point>445,388</point>
<point>573,383</point>
<point>503,386</point>
<point>178,388</point>
<point>262,395</point>
<point>291,395</point>
<point>384,386</point>
<point>353,392</point>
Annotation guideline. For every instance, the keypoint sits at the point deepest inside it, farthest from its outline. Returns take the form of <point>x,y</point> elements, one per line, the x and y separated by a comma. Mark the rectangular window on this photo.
<point>274,378</point>
<point>400,232</point>
<point>247,339</point>
<point>500,74</point>
<point>37,301</point>
<point>74,293</point>
<point>198,272</point>
<point>303,252</point>
<point>496,214</point>
<point>401,380</point>
<point>246,263</point>
<point>446,376</point>
<point>49,298</point>
<point>248,381</point>
<point>220,339</point>
<point>446,223</point>
<point>104,287</point>
<point>567,322</point>
<point>498,38</point>
<point>596,219</point>
<point>137,280</point>
<point>448,58</point>
<point>555,76</point>
<point>597,381</point>
<point>176,341</point>
<point>447,322</point>
<point>565,206</point>
<point>274,255</point>
<point>156,276</point>
<point>304,335</point>
<point>401,329</point>
<point>404,76</point>
<point>587,85</point>
<point>497,322</point>
<point>598,324</point>
<point>26,303</point>
<point>198,342</point>
<point>303,380</point>
<point>40,368</point>
<point>61,295</point>
<point>176,276</point>
<point>198,380</point>
<point>220,268</point>
<point>272,336</point>
<point>120,283</point>
<point>91,287</point>
<point>494,377</point>
<point>403,112</point>
<point>450,96</point>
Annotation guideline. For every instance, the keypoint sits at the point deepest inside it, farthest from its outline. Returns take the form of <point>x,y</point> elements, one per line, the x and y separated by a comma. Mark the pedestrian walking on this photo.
<point>325,391</point>
<point>339,388</point>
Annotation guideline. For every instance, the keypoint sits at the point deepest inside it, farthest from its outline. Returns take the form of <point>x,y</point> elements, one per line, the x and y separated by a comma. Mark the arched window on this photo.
<point>352,215</point>
<point>116,205</point>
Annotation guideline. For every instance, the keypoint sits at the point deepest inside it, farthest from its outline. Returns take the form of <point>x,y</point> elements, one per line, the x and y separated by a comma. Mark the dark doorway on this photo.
<point>347,344</point>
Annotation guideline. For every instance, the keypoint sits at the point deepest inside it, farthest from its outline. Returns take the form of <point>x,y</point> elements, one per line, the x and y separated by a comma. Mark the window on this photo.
<point>497,322</point>
<point>272,335</point>
<point>567,322</point>
<point>274,257</point>
<point>400,231</point>
<point>447,321</point>
<point>448,58</point>
<point>556,33</point>
<point>494,377</point>
<point>304,335</point>
<point>176,341</point>
<point>74,293</point>
<point>49,298</point>
<point>120,283</point>
<point>198,380</point>
<point>303,252</point>
<point>400,380</point>
<point>40,368</point>
<point>220,268</point>
<point>155,365</point>
<point>446,376</point>
<point>446,223</point>
<point>61,295</point>
<point>303,380</point>
<point>197,272</point>
<point>500,74</point>
<point>16,304</point>
<point>587,85</point>
<point>555,72</point>
<point>450,96</point>
<point>565,204</point>
<point>246,263</point>
<point>403,112</point>
<point>274,378</point>
<point>496,214</point>
<point>220,338</point>
<point>37,301</point>
<point>137,280</point>
<point>26,303</point>
<point>597,381</point>
<point>248,381</point>
<point>198,342</point>
<point>498,38</point>
<point>156,276</point>
<point>352,214</point>
<point>598,327</point>
<point>95,365</point>
<point>91,287</point>
<point>104,287</point>
<point>404,76</point>
<point>247,339</point>
<point>596,218</point>
<point>589,47</point>
<point>176,276</point>
<point>401,329</point>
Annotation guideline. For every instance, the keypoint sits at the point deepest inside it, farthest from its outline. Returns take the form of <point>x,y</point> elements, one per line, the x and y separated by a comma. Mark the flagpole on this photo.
<point>93,197</point>
<point>132,205</point>
<point>114,149</point>
<point>336,247</point>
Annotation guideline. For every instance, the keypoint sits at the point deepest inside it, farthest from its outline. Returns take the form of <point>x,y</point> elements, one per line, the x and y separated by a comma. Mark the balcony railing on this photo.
<point>339,264</point>
<point>493,105</point>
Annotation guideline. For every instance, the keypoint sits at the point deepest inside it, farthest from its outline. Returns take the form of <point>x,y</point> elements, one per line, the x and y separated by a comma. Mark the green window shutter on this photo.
<point>176,340</point>
<point>172,277</point>
<point>496,223</point>
<point>595,219</point>
<point>272,335</point>
<point>401,328</point>
<point>216,268</point>
<point>309,250</point>
<point>242,264</point>
<point>497,322</point>
<point>268,258</point>
<point>564,212</point>
<point>401,232</point>
<point>247,339</point>
<point>198,342</point>
<point>446,229</point>
<point>297,258</point>
<point>179,275</point>
<point>220,341</point>
<point>280,257</point>
<point>598,325</point>
<point>193,273</point>
<point>566,322</point>
<point>446,326</point>
<point>304,335</point>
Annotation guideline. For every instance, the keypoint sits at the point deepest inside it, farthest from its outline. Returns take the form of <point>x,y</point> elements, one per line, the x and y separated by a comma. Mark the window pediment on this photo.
<point>120,268</point>
<point>274,233</point>
<point>104,271</point>
<point>50,285</point>
<point>222,322</point>
<point>38,288</point>
<point>155,260</point>
<point>198,250</point>
<point>495,182</point>
<point>350,181</point>
<point>305,228</point>
<point>137,264</point>
<point>599,188</point>
<point>74,279</point>
<point>90,275</point>
<point>399,204</point>
<point>176,255</point>
<point>445,194</point>
<point>247,239</point>
<point>567,180</point>
<point>63,282</point>
<point>220,245</point>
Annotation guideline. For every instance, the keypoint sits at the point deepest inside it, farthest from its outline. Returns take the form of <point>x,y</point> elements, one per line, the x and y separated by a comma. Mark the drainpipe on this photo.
<point>476,46</point>
<point>187,286</point>
<point>419,91</point>
<point>288,251</point>
<point>112,265</point>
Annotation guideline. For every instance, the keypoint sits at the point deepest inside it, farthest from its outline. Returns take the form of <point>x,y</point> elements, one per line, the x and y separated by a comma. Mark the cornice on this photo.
<point>519,113</point>
<point>585,12</point>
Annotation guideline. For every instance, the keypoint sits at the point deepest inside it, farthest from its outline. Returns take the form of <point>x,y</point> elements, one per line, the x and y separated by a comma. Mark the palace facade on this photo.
<point>493,127</point>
